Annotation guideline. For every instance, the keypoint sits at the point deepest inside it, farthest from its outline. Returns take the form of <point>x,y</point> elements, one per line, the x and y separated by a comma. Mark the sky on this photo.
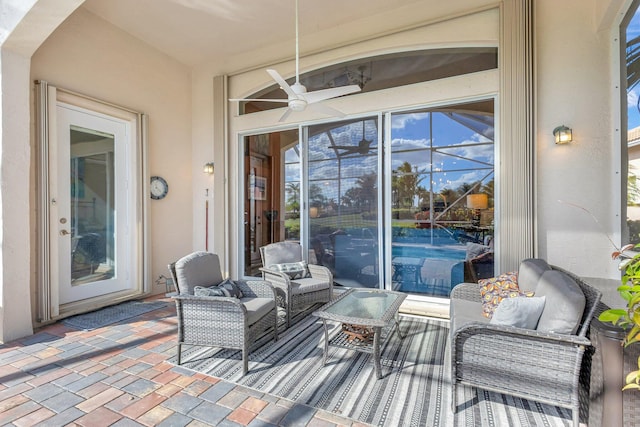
<point>633,110</point>
<point>411,141</point>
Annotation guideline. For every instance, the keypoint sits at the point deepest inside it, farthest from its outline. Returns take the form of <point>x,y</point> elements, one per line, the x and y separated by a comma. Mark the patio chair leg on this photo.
<point>245,360</point>
<point>576,417</point>
<point>275,328</point>
<point>454,404</point>
<point>179,351</point>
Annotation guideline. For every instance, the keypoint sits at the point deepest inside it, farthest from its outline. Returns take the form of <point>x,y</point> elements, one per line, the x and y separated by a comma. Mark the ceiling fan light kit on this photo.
<point>297,96</point>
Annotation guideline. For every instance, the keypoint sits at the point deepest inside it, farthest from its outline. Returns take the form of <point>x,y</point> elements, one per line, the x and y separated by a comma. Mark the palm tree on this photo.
<point>293,196</point>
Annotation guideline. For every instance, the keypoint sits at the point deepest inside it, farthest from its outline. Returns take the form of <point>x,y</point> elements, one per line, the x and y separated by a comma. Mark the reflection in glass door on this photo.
<point>342,197</point>
<point>437,222</point>
<point>92,207</point>
<point>441,198</point>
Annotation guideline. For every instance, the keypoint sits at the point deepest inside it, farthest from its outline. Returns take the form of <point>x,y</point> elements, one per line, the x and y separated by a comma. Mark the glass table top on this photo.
<point>365,304</point>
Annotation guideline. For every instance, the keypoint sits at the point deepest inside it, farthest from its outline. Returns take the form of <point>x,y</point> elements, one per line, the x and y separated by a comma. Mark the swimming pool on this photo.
<point>450,252</point>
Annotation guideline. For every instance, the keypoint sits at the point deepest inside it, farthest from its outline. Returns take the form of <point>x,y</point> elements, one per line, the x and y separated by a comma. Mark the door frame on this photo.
<point>48,306</point>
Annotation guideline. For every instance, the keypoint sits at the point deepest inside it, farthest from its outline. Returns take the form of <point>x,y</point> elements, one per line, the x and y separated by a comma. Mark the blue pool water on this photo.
<point>432,252</point>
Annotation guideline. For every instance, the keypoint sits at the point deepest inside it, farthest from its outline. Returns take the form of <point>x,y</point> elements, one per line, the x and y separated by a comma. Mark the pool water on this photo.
<point>432,252</point>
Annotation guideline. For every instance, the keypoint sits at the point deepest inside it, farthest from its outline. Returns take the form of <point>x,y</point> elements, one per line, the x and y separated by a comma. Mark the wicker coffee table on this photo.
<point>368,318</point>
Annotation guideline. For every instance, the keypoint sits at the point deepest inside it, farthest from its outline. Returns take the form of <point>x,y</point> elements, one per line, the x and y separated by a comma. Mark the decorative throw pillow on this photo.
<point>295,270</point>
<point>520,312</point>
<point>495,289</point>
<point>212,291</point>
<point>230,289</point>
<point>225,289</point>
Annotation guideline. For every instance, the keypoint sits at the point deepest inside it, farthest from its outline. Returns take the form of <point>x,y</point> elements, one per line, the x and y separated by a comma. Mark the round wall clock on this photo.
<point>159,188</point>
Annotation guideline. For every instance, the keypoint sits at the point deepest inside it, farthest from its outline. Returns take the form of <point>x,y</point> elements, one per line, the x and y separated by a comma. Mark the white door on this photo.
<point>93,210</point>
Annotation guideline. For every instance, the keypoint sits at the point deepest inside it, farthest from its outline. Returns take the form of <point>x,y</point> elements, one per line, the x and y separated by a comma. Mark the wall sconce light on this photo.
<point>208,168</point>
<point>563,134</point>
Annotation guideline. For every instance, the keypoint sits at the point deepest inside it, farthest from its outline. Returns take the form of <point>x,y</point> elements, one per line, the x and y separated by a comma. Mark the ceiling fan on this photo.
<point>363,147</point>
<point>298,97</point>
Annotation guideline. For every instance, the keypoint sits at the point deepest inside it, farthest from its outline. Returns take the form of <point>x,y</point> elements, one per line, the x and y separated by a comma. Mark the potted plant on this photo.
<point>628,318</point>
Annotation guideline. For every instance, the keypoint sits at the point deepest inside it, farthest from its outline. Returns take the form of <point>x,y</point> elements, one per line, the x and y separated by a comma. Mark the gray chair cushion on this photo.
<point>521,312</point>
<point>529,273</point>
<point>281,252</point>
<point>197,269</point>
<point>564,303</point>
<point>257,308</point>
<point>309,284</point>
<point>463,312</point>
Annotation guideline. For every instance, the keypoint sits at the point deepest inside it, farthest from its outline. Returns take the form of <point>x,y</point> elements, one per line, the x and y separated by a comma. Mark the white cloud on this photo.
<point>399,121</point>
<point>632,98</point>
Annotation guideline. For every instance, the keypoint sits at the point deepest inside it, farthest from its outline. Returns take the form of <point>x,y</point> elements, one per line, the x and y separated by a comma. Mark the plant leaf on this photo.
<point>631,387</point>
<point>632,377</point>
<point>633,337</point>
<point>612,315</point>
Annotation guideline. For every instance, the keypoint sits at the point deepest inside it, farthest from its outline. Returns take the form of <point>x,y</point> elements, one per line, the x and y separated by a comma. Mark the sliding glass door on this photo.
<point>413,213</point>
<point>343,194</point>
<point>441,189</point>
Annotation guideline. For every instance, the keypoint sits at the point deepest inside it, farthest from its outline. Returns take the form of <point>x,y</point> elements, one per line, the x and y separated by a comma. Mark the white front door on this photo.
<point>93,212</point>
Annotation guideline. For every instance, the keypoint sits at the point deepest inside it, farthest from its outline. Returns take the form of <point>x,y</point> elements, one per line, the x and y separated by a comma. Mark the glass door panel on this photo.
<point>92,210</point>
<point>272,193</point>
<point>343,200</point>
<point>439,158</point>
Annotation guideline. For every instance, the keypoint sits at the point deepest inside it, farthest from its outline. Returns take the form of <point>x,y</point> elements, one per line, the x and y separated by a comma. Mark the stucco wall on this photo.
<point>576,87</point>
<point>90,56</point>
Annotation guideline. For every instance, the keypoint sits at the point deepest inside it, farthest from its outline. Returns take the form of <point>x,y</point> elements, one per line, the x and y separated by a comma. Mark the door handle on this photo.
<point>64,232</point>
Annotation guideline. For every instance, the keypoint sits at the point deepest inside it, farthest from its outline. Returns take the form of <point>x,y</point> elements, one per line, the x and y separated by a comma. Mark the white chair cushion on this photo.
<point>309,284</point>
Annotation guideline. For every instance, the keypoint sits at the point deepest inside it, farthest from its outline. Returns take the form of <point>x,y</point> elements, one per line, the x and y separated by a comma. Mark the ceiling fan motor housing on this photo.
<point>297,104</point>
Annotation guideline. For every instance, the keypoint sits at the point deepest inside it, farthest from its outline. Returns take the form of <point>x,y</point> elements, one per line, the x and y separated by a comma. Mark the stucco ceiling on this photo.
<point>197,31</point>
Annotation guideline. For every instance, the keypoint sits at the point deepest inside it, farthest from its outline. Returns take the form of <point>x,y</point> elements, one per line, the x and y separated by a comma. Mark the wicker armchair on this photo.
<point>295,295</point>
<point>226,322</point>
<point>535,365</point>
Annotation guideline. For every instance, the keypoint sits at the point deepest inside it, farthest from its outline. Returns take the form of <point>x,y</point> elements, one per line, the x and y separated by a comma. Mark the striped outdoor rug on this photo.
<point>415,390</point>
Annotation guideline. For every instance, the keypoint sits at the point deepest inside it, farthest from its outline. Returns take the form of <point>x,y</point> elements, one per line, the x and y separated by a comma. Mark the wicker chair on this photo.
<point>225,322</point>
<point>295,295</point>
<point>535,365</point>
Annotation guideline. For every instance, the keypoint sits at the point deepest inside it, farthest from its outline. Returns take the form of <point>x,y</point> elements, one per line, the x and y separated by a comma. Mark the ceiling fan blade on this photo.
<point>283,84</point>
<point>285,115</point>
<point>334,92</point>
<point>325,109</point>
<point>258,99</point>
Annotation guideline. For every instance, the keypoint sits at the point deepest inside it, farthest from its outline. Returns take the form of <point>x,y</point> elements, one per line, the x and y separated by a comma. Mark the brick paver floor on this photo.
<point>119,376</point>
